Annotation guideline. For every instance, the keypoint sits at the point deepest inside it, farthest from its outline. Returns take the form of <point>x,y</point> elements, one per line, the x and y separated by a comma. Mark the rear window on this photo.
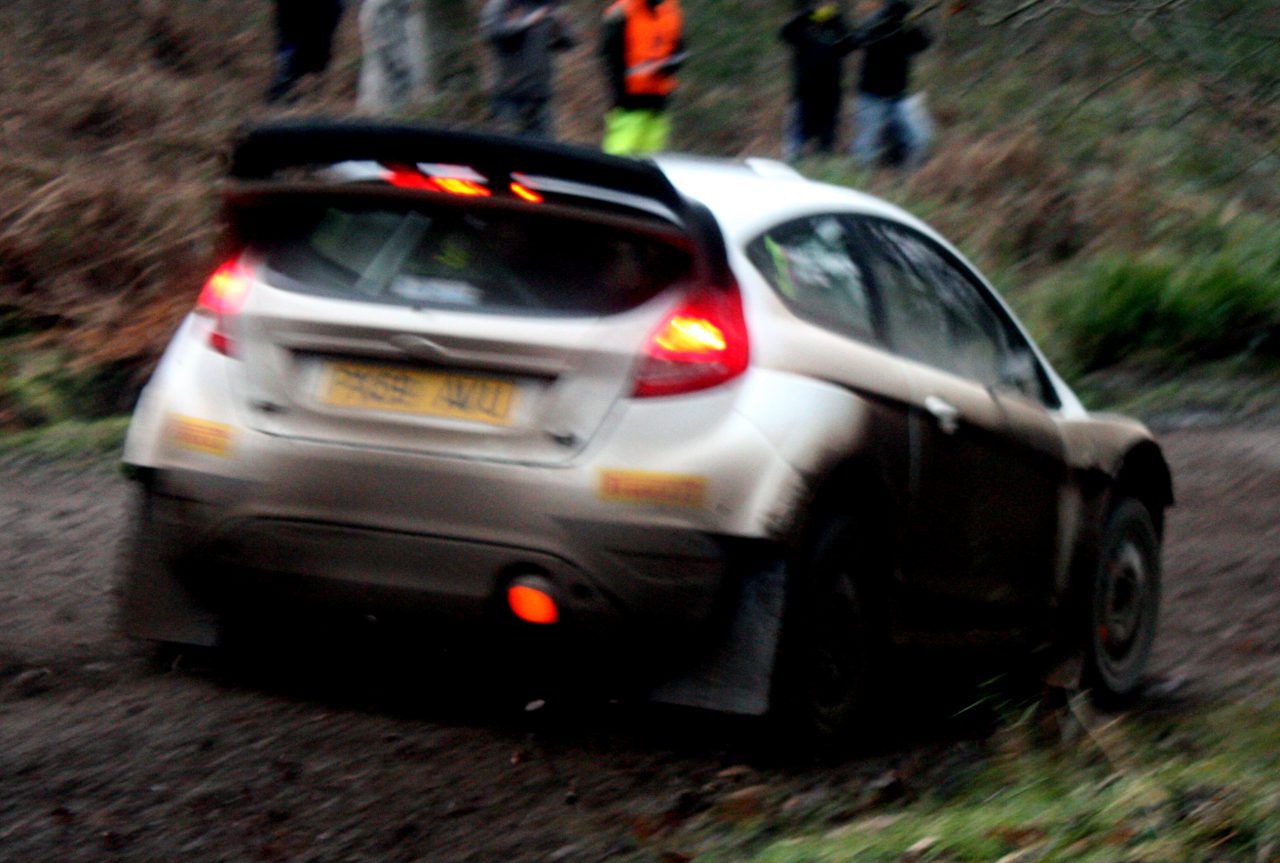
<point>494,261</point>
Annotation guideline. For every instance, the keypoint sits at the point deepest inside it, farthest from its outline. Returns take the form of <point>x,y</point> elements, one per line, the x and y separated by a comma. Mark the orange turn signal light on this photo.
<point>532,605</point>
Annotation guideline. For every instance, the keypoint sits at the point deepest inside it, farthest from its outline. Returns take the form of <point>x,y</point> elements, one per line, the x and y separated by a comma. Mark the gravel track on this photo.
<point>105,756</point>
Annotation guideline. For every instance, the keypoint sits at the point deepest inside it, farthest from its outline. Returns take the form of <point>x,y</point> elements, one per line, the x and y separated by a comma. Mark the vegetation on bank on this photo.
<point>72,441</point>
<point>1198,305</point>
<point>1114,171</point>
<point>1065,786</point>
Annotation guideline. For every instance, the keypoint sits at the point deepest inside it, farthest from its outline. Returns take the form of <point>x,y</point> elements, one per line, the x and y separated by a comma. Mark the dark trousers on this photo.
<point>813,118</point>
<point>304,42</point>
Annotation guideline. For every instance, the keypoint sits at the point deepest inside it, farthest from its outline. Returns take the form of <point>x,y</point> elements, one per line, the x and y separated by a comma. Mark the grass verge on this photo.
<point>1199,785</point>
<point>69,440</point>
<point>1187,307</point>
<point>1239,390</point>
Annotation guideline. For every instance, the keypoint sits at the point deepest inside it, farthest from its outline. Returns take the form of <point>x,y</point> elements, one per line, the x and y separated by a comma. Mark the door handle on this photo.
<point>947,414</point>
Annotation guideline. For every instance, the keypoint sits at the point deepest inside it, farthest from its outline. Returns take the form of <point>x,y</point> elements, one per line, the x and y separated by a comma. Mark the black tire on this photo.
<point>1123,603</point>
<point>829,651</point>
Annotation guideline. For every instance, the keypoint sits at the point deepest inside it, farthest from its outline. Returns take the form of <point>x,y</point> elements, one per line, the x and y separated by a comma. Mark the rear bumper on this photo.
<point>637,528</point>
<point>643,535</point>
<point>620,587</point>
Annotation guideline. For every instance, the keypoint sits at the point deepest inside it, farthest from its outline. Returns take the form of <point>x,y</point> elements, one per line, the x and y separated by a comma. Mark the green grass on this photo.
<point>1194,787</point>
<point>1236,388</point>
<point>69,440</point>
<point>42,392</point>
<point>1184,307</point>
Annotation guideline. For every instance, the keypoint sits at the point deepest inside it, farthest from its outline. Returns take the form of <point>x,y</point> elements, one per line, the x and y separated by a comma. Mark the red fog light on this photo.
<point>532,604</point>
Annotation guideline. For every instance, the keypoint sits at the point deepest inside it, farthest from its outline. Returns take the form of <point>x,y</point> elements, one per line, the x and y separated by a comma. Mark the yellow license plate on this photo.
<point>371,386</point>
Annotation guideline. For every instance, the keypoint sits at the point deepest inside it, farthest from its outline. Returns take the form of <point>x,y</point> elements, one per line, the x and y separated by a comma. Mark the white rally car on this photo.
<point>730,430</point>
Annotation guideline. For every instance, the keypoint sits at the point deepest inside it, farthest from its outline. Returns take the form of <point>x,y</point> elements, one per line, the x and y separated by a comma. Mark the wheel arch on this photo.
<point>854,481</point>
<point>1140,472</point>
<point>852,488</point>
<point>855,485</point>
<point>1143,474</point>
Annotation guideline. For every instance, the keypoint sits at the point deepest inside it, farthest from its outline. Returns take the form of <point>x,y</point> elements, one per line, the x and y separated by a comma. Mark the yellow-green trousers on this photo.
<point>635,133</point>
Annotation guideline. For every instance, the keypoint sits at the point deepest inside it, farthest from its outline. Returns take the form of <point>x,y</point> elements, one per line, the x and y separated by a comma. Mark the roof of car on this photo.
<point>748,196</point>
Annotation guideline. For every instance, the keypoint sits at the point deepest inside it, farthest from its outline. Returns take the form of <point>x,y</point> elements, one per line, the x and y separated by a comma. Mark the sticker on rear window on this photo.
<point>202,436</point>
<point>445,292</point>
<point>660,489</point>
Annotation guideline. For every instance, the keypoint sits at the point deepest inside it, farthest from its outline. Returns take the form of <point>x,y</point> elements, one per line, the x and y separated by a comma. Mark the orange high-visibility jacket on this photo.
<point>652,37</point>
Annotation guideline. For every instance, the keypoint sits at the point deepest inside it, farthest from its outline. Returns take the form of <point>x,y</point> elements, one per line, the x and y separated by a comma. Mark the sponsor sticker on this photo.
<point>202,435</point>
<point>660,489</point>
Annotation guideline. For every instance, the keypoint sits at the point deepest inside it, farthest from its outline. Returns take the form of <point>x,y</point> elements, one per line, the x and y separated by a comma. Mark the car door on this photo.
<point>810,265</point>
<point>985,459</point>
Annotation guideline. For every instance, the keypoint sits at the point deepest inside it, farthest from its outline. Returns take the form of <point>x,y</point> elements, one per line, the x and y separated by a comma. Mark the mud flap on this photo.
<point>154,604</point>
<point>155,607</point>
<point>735,674</point>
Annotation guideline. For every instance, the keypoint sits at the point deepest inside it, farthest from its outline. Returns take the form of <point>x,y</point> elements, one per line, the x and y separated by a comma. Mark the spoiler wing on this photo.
<point>262,154</point>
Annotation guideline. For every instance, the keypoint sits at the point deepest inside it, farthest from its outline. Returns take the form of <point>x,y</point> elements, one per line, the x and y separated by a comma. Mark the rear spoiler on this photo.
<point>265,152</point>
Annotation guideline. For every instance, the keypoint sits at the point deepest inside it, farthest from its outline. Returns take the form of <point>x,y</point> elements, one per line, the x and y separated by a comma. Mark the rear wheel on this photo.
<point>829,653</point>
<point>1124,602</point>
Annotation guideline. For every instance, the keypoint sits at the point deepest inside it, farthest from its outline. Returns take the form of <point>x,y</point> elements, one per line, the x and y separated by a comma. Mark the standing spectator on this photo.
<point>393,67</point>
<point>304,42</point>
<point>819,40</point>
<point>643,48</point>
<point>889,39</point>
<point>525,34</point>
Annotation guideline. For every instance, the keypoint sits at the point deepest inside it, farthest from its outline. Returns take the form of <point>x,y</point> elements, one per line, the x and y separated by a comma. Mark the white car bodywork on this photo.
<point>645,517</point>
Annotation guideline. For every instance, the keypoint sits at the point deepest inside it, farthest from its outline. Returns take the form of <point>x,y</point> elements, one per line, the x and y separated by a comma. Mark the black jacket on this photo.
<point>818,49</point>
<point>889,42</point>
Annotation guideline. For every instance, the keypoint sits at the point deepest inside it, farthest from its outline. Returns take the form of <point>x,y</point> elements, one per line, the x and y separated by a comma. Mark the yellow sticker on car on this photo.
<point>202,435</point>
<point>658,489</point>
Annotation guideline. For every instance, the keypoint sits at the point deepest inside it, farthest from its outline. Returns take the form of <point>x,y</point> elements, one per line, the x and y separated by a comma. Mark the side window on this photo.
<point>809,264</point>
<point>935,313</point>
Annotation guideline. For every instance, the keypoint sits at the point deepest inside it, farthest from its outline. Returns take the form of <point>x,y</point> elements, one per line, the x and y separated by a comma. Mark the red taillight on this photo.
<point>466,188</point>
<point>223,296</point>
<point>524,193</point>
<point>410,178</point>
<point>226,290</point>
<point>701,343</point>
<point>406,177</point>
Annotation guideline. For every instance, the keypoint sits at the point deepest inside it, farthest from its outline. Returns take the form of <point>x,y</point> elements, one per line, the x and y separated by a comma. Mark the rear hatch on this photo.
<point>446,308</point>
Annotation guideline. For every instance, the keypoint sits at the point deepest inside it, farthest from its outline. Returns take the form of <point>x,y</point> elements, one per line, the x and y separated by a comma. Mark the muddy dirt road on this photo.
<point>106,757</point>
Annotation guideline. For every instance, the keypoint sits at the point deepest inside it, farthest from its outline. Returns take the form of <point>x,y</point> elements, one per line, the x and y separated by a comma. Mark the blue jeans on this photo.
<point>875,119</point>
